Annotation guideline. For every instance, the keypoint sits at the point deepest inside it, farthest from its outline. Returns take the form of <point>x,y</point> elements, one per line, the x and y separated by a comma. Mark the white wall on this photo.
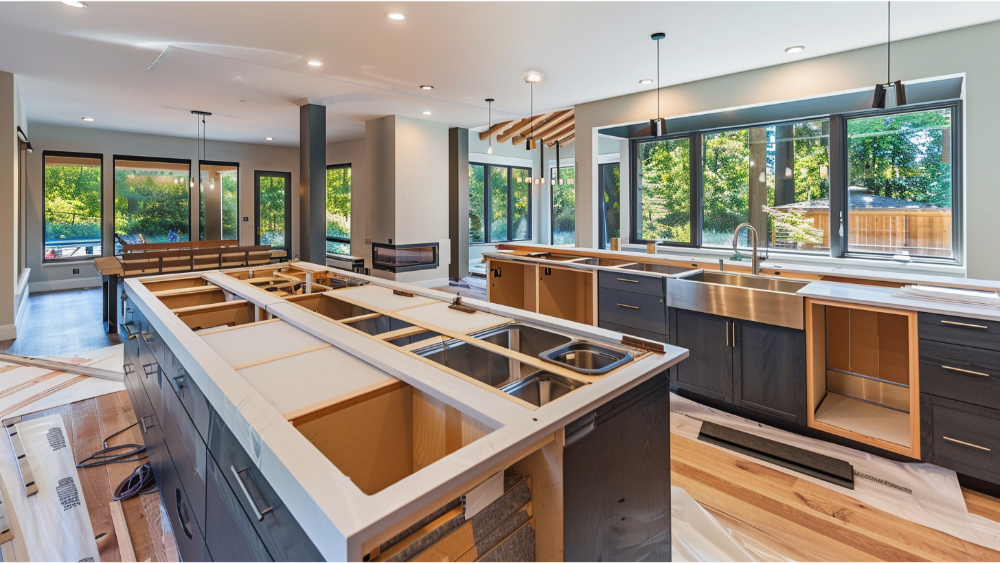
<point>44,137</point>
<point>965,50</point>
<point>10,117</point>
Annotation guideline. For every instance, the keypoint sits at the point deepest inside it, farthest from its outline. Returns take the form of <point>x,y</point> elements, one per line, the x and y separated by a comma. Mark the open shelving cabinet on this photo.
<point>863,374</point>
<point>568,293</point>
<point>513,284</point>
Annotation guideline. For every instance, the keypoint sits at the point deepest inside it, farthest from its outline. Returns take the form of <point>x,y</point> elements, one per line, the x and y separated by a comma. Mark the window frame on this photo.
<point>601,211</point>
<point>838,143</point>
<point>238,215</point>
<point>488,204</point>
<point>341,240</point>
<point>114,167</point>
<point>555,171</point>
<point>97,156</point>
<point>957,191</point>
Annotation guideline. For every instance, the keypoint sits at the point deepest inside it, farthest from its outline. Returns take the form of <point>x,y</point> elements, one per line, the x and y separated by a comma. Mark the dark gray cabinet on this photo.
<point>615,510</point>
<point>633,304</point>
<point>753,365</point>
<point>231,536</point>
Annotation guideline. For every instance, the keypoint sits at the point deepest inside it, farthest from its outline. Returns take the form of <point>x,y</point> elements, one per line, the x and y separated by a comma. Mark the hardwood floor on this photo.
<point>61,323</point>
<point>88,422</point>
<point>795,519</point>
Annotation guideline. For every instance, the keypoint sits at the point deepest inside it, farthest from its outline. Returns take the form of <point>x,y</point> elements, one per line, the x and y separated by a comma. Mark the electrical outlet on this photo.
<point>245,219</point>
<point>76,270</point>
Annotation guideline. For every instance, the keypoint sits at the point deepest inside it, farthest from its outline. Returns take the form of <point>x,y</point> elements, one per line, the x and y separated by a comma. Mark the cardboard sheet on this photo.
<point>381,297</point>
<point>251,343</point>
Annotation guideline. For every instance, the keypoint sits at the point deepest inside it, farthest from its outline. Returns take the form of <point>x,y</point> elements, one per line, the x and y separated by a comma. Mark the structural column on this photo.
<point>458,197</point>
<point>312,183</point>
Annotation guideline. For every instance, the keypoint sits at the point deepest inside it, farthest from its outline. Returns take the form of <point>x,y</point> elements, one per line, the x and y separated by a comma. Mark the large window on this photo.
<point>893,183</point>
<point>663,190</point>
<point>499,203</point>
<point>219,201</point>
<point>72,194</point>
<point>152,200</point>
<point>338,208</point>
<point>610,202</point>
<point>899,170</point>
<point>563,205</point>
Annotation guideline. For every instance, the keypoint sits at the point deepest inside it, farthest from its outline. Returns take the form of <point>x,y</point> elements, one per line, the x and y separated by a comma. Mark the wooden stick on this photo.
<point>282,356</point>
<point>8,368</point>
<point>42,395</point>
<point>65,366</point>
<point>121,530</point>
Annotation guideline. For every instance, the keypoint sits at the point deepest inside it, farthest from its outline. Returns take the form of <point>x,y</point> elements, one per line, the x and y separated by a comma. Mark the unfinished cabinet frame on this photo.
<point>513,284</point>
<point>568,293</point>
<point>875,355</point>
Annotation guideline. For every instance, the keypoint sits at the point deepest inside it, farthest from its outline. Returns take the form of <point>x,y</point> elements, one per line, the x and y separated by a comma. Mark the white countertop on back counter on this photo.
<point>883,297</point>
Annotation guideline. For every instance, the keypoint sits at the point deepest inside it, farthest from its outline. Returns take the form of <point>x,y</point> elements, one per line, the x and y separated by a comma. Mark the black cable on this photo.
<point>108,455</point>
<point>133,485</point>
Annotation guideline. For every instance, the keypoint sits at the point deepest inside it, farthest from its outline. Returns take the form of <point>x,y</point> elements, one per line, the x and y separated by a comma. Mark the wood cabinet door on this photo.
<point>769,375</point>
<point>708,370</point>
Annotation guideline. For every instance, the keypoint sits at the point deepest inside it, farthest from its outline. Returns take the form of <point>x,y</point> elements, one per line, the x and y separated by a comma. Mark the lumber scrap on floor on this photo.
<point>64,366</point>
<point>121,530</point>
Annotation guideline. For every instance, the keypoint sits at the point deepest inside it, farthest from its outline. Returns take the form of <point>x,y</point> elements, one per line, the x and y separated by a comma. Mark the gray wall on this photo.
<point>11,116</point>
<point>970,50</point>
<point>44,137</point>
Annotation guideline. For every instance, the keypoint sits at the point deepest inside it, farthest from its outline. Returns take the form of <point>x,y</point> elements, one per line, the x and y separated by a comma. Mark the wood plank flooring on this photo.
<point>787,517</point>
<point>88,422</point>
<point>61,323</point>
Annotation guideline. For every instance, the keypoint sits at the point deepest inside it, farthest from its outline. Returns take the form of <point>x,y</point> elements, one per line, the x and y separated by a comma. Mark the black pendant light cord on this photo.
<point>657,79</point>
<point>888,43</point>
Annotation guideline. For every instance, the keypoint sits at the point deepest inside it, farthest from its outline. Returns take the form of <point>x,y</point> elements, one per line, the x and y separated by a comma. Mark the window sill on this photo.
<point>69,262</point>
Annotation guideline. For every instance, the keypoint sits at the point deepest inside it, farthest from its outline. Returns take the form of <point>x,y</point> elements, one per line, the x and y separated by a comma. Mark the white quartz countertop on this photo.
<point>883,297</point>
<point>242,375</point>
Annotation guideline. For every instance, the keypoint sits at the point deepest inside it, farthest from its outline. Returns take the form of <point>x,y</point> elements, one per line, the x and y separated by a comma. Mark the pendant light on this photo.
<point>202,144</point>
<point>878,99</point>
<point>658,125</point>
<point>531,78</point>
<point>489,123</point>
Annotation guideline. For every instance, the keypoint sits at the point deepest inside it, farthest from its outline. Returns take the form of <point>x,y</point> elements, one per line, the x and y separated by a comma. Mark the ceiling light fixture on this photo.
<point>427,113</point>
<point>315,63</point>
<point>397,16</point>
<point>489,123</point>
<point>426,87</point>
<point>657,126</point>
<point>75,3</point>
<point>795,49</point>
<point>87,118</point>
<point>202,143</point>
<point>646,81</point>
<point>268,138</point>
<point>533,77</point>
<point>878,98</point>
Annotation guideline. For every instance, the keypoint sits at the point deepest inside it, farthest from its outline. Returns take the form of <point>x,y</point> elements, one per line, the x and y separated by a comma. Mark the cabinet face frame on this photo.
<point>523,294</point>
<point>816,365</point>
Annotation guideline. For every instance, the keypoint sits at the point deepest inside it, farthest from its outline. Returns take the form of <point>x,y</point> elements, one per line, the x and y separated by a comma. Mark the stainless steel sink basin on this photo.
<point>587,358</point>
<point>541,387</point>
<point>483,365</point>
<point>754,298</point>
<point>526,339</point>
<point>656,268</point>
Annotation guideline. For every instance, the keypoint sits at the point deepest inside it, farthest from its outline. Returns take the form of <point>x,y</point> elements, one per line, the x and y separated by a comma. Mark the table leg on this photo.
<point>111,304</point>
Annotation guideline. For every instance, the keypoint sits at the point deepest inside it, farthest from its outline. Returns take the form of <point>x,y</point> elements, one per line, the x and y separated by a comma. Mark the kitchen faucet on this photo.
<point>754,260</point>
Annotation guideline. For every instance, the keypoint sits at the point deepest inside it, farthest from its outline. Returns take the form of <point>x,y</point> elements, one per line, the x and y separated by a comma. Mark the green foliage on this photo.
<point>150,203</point>
<point>72,203</point>
<point>477,203</point>
<point>272,211</point>
<point>504,182</point>
<point>230,203</point>
<point>338,206</point>
<point>904,156</point>
<point>498,203</point>
<point>611,196</point>
<point>564,207</point>
<point>665,188</point>
<point>521,187</point>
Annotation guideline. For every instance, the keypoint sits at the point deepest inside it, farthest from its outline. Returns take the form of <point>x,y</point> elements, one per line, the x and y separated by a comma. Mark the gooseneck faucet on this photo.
<point>754,260</point>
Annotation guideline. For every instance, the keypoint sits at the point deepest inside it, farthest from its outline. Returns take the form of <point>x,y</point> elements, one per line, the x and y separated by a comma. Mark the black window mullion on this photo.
<point>838,186</point>
<point>510,203</point>
<point>487,204</point>
<point>697,188</point>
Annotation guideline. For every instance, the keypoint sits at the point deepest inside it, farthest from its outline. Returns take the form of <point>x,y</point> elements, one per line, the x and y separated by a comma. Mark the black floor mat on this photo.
<point>827,468</point>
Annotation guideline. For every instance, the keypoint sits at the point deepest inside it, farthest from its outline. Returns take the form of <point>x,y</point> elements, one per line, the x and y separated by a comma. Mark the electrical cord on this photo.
<point>136,483</point>
<point>109,454</point>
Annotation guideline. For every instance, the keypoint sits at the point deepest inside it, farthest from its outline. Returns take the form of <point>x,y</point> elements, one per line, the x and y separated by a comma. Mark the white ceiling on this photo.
<point>92,62</point>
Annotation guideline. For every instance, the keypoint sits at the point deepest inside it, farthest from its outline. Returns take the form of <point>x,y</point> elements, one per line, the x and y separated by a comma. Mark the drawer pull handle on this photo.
<point>966,444</point>
<point>970,372</point>
<point>966,325</point>
<point>257,512</point>
<point>627,280</point>
<point>144,427</point>
<point>628,306</point>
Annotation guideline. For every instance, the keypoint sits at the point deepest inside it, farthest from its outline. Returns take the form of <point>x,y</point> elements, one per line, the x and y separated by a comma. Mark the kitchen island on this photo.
<point>295,412</point>
<point>829,352</point>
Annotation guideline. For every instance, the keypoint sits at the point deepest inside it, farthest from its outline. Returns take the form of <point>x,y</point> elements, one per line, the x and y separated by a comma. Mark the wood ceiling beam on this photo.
<point>560,131</point>
<point>486,134</point>
<point>567,142</point>
<point>545,129</point>
<point>552,141</point>
<point>521,126</point>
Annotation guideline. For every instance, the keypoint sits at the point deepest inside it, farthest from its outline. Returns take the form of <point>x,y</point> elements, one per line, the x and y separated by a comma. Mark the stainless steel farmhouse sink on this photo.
<point>753,298</point>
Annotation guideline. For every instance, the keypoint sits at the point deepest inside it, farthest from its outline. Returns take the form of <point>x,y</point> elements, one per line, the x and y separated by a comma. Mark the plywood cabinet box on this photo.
<point>285,420</point>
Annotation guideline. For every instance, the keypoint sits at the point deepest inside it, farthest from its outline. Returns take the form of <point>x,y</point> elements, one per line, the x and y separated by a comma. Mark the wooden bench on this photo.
<point>173,257</point>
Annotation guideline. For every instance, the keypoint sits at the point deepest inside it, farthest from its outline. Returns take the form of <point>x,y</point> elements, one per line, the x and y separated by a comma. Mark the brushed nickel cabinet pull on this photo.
<point>628,306</point>
<point>627,280</point>
<point>257,512</point>
<point>966,444</point>
<point>728,340</point>
<point>966,325</point>
<point>970,372</point>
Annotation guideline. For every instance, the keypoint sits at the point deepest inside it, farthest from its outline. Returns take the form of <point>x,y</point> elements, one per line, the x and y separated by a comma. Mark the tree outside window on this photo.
<point>338,209</point>
<point>72,194</point>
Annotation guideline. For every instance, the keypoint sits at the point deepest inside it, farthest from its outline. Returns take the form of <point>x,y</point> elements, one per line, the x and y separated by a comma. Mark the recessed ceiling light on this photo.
<point>398,16</point>
<point>243,101</point>
<point>426,87</point>
<point>74,3</point>
<point>268,138</point>
<point>533,77</point>
<point>427,113</point>
<point>315,63</point>
<point>646,81</point>
<point>795,49</point>
<point>87,118</point>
